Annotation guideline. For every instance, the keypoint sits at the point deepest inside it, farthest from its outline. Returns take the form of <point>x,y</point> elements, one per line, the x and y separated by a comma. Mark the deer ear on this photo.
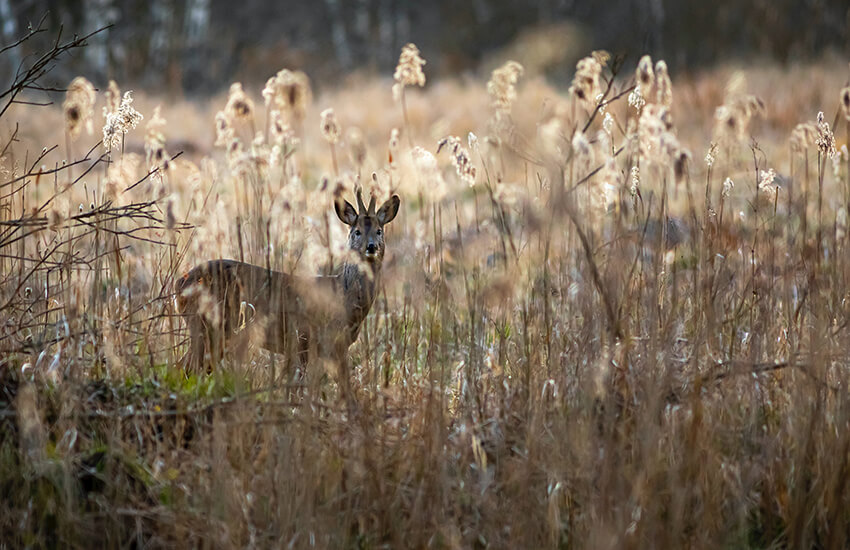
<point>388,210</point>
<point>345,211</point>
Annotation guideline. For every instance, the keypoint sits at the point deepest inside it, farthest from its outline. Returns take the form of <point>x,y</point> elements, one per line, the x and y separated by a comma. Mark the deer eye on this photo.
<point>357,233</point>
<point>380,232</point>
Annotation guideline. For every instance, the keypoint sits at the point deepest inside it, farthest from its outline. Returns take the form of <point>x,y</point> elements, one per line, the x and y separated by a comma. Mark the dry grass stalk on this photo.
<point>636,371</point>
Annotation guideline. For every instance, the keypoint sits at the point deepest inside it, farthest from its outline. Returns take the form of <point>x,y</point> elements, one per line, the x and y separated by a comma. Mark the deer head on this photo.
<point>366,236</point>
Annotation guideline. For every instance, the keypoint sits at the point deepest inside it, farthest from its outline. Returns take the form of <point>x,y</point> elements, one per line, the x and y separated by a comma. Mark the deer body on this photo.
<point>228,303</point>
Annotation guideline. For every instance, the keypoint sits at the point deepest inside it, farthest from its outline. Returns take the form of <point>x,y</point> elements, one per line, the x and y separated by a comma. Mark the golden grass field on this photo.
<point>603,321</point>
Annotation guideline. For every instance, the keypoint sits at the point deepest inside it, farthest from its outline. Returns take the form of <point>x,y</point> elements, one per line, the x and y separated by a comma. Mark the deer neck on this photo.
<point>359,285</point>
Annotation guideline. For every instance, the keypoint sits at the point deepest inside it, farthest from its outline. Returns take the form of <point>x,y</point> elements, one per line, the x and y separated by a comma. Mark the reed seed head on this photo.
<point>280,133</point>
<point>223,129</point>
<point>634,188</point>
<point>732,119</point>
<point>601,56</point>
<point>120,122</point>
<point>767,184</point>
<point>460,158</point>
<point>502,87</point>
<point>711,155</point>
<point>408,72</point>
<point>656,139</point>
<point>330,126</point>
<point>663,85</point>
<point>155,140</point>
<point>239,106</point>
<point>644,75</point>
<point>289,92</point>
<point>636,99</point>
<point>113,98</point>
<point>825,139</point>
<point>426,165</point>
<point>78,106</point>
<point>586,80</point>
<point>803,136</point>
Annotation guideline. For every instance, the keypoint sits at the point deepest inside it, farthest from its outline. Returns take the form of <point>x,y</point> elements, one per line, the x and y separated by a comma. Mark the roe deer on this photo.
<point>225,301</point>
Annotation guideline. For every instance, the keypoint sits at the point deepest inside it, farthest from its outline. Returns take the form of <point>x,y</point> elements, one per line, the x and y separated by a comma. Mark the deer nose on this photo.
<point>371,248</point>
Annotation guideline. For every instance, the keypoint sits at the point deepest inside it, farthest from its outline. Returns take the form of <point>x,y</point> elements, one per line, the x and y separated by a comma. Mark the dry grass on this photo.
<point>552,361</point>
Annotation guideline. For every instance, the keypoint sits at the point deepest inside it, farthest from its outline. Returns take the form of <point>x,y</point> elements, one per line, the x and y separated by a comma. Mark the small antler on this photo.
<point>371,210</point>
<point>360,206</point>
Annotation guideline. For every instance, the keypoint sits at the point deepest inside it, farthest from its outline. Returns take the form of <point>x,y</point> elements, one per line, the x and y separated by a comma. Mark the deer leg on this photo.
<point>194,357</point>
<point>215,343</point>
<point>344,377</point>
<point>198,347</point>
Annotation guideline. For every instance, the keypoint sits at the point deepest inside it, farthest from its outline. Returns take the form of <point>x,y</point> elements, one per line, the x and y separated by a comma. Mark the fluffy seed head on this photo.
<point>767,184</point>
<point>330,126</point>
<point>155,141</point>
<point>711,155</point>
<point>656,139</point>
<point>113,98</point>
<point>223,129</point>
<point>120,122</point>
<point>502,87</point>
<point>825,140</point>
<point>636,99</point>
<point>426,165</point>
<point>239,106</point>
<point>732,119</point>
<point>644,75</point>
<point>634,188</point>
<point>586,80</point>
<point>408,72</point>
<point>289,92</point>
<point>663,85</point>
<point>280,133</point>
<point>78,106</point>
<point>803,136</point>
<point>460,158</point>
<point>601,56</point>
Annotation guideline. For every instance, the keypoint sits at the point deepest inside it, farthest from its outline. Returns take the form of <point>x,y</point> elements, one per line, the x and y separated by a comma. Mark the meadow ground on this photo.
<point>608,317</point>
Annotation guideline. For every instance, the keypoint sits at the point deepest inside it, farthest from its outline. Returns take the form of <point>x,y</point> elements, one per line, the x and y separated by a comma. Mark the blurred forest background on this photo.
<point>200,46</point>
